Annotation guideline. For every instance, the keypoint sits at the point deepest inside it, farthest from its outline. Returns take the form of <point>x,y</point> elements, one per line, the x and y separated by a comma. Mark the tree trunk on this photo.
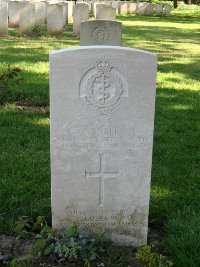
<point>175,2</point>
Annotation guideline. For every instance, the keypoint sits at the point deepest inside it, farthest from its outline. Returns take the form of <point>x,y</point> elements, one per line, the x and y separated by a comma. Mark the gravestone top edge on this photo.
<point>93,47</point>
<point>101,20</point>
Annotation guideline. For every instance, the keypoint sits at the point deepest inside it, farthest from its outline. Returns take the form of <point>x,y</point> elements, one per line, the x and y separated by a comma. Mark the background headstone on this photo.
<point>80,13</point>
<point>141,8</point>
<point>159,9</point>
<point>27,17</point>
<point>101,32</point>
<point>3,18</point>
<point>102,119</point>
<point>150,9</point>
<point>106,13</point>
<point>123,8</point>
<point>132,8</point>
<point>167,10</point>
<point>13,13</point>
<point>115,4</point>
<point>96,5</point>
<point>55,18</point>
<point>70,11</point>
<point>40,13</point>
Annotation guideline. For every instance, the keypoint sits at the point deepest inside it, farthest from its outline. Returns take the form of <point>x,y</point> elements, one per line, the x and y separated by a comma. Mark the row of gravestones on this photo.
<point>139,8</point>
<point>26,15</point>
<point>102,118</point>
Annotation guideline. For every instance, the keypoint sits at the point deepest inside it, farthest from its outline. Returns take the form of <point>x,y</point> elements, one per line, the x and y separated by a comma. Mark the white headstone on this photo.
<point>55,18</point>
<point>101,32</point>
<point>106,13</point>
<point>70,11</point>
<point>150,10</point>
<point>123,8</point>
<point>141,8</point>
<point>102,119</point>
<point>95,7</point>
<point>167,10</point>
<point>115,4</point>
<point>159,9</point>
<point>89,4</point>
<point>132,8</point>
<point>40,13</point>
<point>3,18</point>
<point>27,17</point>
<point>13,13</point>
<point>80,13</point>
<point>65,13</point>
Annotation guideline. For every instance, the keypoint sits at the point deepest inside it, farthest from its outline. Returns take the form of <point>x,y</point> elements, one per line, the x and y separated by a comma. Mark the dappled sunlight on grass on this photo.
<point>45,122</point>
<point>161,192</point>
<point>24,136</point>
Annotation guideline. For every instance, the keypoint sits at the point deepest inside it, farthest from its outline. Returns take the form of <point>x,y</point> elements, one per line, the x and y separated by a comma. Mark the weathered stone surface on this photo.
<point>101,32</point>
<point>70,11</point>
<point>105,13</point>
<point>80,13</point>
<point>95,7</point>
<point>40,13</point>
<point>141,8</point>
<point>13,13</point>
<point>132,8</point>
<point>55,18</point>
<point>115,4</point>
<point>89,4</point>
<point>123,8</point>
<point>102,120</point>
<point>65,13</point>
<point>159,9</point>
<point>3,18</point>
<point>167,10</point>
<point>27,17</point>
<point>150,10</point>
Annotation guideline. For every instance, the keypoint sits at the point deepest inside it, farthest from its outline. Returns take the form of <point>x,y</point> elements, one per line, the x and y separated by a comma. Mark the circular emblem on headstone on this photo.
<point>100,34</point>
<point>103,88</point>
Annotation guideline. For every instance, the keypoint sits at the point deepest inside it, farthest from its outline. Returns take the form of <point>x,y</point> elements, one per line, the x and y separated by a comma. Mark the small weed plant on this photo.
<point>8,78</point>
<point>149,258</point>
<point>38,31</point>
<point>24,226</point>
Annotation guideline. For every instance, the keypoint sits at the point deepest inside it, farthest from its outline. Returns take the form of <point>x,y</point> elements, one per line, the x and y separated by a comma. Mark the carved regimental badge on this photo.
<point>103,88</point>
<point>100,34</point>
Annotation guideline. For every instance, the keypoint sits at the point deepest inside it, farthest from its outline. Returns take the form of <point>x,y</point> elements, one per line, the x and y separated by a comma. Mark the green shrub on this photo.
<point>152,259</point>
<point>183,6</point>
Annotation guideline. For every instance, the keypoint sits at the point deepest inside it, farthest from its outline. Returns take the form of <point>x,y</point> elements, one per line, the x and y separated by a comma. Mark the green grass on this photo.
<point>175,192</point>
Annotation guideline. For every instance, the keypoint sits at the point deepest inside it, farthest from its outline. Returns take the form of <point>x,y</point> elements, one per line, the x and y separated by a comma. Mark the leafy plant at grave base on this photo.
<point>42,246</point>
<point>152,259</point>
<point>8,78</point>
<point>21,261</point>
<point>38,31</point>
<point>79,248</point>
<point>116,259</point>
<point>24,226</point>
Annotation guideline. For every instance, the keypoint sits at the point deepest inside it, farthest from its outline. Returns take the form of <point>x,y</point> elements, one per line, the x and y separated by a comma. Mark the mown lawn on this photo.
<point>24,132</point>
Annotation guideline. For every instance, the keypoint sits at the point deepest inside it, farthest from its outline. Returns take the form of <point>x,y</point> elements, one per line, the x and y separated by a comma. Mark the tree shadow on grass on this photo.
<point>174,18</point>
<point>190,69</point>
<point>176,155</point>
<point>160,34</point>
<point>25,165</point>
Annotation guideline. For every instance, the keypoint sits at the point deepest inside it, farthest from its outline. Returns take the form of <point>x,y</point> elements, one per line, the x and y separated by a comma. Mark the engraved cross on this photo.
<point>102,174</point>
